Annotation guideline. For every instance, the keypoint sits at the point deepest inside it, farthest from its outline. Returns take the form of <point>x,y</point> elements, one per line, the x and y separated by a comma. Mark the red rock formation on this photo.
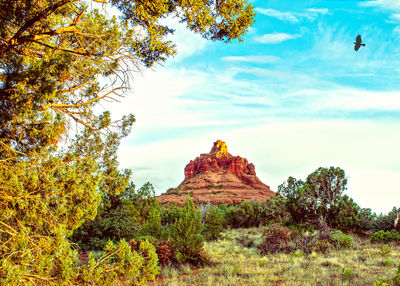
<point>218,177</point>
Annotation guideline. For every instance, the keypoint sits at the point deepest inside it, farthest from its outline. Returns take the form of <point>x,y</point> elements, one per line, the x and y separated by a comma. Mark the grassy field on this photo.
<point>238,265</point>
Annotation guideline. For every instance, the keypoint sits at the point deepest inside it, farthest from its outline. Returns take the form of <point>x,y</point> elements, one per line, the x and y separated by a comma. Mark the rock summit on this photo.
<point>218,177</point>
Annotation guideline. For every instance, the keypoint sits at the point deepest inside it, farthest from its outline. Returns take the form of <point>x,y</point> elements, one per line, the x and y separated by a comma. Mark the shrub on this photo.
<point>388,262</point>
<point>245,215</point>
<point>275,239</point>
<point>213,224</point>
<point>322,246</point>
<point>385,236</point>
<point>152,225</point>
<point>386,222</point>
<point>186,236</point>
<point>348,273</point>
<point>384,250</point>
<point>341,240</point>
<point>136,267</point>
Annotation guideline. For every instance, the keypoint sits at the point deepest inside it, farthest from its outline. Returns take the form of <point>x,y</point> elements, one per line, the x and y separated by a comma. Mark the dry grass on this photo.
<point>238,265</point>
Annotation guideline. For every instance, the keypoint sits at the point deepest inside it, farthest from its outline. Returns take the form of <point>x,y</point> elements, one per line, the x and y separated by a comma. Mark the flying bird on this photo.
<point>358,43</point>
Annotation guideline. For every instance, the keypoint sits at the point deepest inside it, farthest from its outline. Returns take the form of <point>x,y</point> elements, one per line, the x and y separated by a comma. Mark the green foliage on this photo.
<point>348,273</point>
<point>170,214</point>
<point>385,236</point>
<point>387,221</point>
<point>388,262</point>
<point>385,250</point>
<point>348,216</point>
<point>136,267</point>
<point>274,211</point>
<point>186,236</point>
<point>341,240</point>
<point>117,219</point>
<point>320,201</point>
<point>213,224</point>
<point>153,224</point>
<point>380,282</point>
<point>246,214</point>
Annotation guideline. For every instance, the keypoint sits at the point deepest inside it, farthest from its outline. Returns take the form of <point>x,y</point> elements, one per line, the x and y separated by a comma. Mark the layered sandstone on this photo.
<point>218,177</point>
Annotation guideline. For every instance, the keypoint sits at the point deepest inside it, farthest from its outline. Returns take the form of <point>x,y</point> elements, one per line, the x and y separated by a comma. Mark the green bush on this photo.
<point>385,250</point>
<point>341,240</point>
<point>136,267</point>
<point>385,236</point>
<point>186,238</point>
<point>348,273</point>
<point>388,262</point>
<point>213,224</point>
<point>322,246</point>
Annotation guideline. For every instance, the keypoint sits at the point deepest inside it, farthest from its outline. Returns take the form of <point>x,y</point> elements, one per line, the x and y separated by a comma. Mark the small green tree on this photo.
<point>317,200</point>
<point>325,188</point>
<point>186,236</point>
<point>213,224</point>
<point>153,224</point>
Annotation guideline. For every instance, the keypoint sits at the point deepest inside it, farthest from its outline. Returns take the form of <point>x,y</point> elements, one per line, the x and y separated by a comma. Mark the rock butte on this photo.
<point>218,178</point>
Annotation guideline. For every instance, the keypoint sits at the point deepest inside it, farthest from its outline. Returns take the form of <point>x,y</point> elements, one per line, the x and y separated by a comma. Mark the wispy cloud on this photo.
<point>385,4</point>
<point>312,13</point>
<point>392,6</point>
<point>293,17</point>
<point>251,59</point>
<point>275,38</point>
<point>284,16</point>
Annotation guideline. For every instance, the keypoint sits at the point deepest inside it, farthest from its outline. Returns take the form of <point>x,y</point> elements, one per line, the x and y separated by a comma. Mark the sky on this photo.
<point>292,97</point>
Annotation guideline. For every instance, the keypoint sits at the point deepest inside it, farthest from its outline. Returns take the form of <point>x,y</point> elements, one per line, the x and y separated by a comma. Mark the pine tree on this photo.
<point>186,234</point>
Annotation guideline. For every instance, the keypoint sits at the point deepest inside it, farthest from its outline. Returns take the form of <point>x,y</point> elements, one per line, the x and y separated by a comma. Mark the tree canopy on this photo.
<point>59,60</point>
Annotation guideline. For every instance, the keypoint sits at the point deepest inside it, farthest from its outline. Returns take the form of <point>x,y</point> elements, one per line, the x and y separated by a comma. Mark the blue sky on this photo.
<point>293,96</point>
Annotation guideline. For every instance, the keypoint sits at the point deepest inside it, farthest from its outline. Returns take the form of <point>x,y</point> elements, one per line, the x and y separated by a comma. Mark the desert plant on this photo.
<point>385,236</point>
<point>137,266</point>
<point>186,238</point>
<point>388,262</point>
<point>341,240</point>
<point>348,273</point>
<point>384,250</point>
<point>213,224</point>
<point>275,239</point>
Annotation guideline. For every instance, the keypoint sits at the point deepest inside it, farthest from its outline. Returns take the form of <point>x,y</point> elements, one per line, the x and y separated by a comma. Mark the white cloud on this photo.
<point>251,59</point>
<point>321,11</point>
<point>293,17</point>
<point>312,13</point>
<point>284,16</point>
<point>275,38</point>
<point>396,16</point>
<point>356,100</point>
<point>385,4</point>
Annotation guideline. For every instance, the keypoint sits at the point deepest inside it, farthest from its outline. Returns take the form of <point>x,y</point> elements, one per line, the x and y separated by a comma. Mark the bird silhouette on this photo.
<point>358,43</point>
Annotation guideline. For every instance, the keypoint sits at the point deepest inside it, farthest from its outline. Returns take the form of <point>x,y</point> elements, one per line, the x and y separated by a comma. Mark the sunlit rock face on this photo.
<point>218,177</point>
